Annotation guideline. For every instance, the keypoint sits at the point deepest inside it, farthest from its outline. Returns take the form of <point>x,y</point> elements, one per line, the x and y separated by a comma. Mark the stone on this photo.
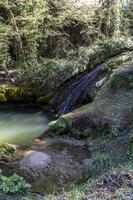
<point>34,160</point>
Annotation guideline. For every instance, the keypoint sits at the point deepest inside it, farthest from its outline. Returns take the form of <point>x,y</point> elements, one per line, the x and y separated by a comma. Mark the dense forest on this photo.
<point>66,99</point>
<point>42,38</point>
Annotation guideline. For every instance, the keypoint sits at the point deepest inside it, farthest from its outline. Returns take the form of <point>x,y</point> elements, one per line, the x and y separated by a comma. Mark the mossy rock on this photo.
<point>3,90</point>
<point>7,150</point>
<point>44,99</point>
<point>19,94</point>
<point>3,98</point>
<point>58,127</point>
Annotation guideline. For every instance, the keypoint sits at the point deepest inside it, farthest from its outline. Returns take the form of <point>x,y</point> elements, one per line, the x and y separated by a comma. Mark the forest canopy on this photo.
<point>37,34</point>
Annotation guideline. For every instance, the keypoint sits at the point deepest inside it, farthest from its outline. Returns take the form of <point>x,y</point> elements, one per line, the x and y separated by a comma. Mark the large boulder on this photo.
<point>34,160</point>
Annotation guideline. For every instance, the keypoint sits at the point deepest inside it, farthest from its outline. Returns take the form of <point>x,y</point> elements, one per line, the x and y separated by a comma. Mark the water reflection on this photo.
<point>21,126</point>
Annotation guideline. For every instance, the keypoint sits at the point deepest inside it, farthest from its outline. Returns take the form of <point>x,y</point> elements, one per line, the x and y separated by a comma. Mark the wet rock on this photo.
<point>34,160</point>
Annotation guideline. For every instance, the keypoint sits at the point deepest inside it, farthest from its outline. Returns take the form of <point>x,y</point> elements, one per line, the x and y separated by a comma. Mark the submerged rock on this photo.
<point>34,160</point>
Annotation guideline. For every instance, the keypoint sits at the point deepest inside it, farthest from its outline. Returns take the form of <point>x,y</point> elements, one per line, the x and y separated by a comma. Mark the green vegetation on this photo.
<point>12,185</point>
<point>93,189</point>
<point>48,41</point>
<point>107,114</point>
<point>6,150</point>
<point>47,46</point>
<point>3,98</point>
<point>21,94</point>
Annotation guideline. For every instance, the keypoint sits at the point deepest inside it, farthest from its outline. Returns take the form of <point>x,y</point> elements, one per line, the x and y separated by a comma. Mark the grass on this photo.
<point>110,176</point>
<point>94,189</point>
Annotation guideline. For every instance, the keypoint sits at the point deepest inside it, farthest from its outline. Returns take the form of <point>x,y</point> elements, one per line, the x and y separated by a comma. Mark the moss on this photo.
<point>19,94</point>
<point>44,99</point>
<point>58,127</point>
<point>6,150</point>
<point>3,98</point>
<point>2,90</point>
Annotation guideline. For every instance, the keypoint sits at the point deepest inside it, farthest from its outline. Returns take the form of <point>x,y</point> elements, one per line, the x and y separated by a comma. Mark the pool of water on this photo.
<point>21,125</point>
<point>65,169</point>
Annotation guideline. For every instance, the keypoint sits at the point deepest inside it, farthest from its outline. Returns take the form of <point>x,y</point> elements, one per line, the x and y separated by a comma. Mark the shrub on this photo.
<point>13,184</point>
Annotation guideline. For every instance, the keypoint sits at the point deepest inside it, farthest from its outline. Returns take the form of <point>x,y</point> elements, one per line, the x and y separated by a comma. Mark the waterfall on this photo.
<point>75,93</point>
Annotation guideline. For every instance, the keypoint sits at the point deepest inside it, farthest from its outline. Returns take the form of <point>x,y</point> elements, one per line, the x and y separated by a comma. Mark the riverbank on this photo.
<point>50,165</point>
<point>107,167</point>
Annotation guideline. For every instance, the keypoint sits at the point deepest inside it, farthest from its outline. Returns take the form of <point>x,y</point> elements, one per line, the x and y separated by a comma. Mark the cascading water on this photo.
<point>76,93</point>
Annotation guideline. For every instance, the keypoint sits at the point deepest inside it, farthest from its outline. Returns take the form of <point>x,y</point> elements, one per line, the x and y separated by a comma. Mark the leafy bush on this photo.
<point>13,184</point>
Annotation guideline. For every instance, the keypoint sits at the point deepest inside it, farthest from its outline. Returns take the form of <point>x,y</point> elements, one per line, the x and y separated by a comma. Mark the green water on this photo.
<point>22,125</point>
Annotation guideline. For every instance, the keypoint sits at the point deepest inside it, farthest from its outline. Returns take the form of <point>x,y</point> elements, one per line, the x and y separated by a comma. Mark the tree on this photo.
<point>24,18</point>
<point>110,17</point>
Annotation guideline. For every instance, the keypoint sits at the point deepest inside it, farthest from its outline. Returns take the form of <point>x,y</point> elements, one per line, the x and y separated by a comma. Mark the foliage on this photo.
<point>47,75</point>
<point>4,45</point>
<point>98,54</point>
<point>114,131</point>
<point>31,30</point>
<point>12,185</point>
<point>21,21</point>
<point>68,26</point>
<point>110,18</point>
<point>127,19</point>
<point>51,73</point>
